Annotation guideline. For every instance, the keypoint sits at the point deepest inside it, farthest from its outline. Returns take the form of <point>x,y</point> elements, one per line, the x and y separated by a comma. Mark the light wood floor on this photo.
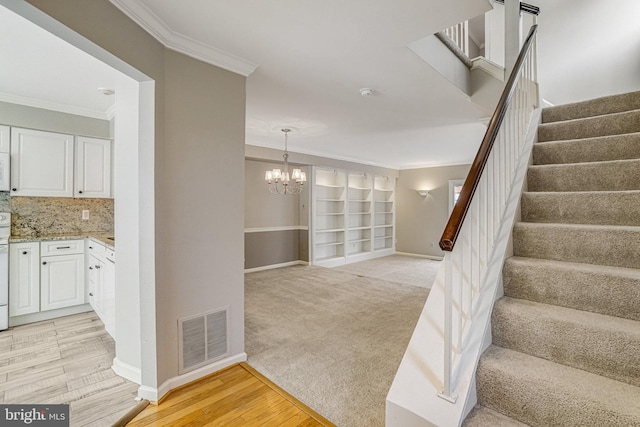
<point>236,396</point>
<point>66,360</point>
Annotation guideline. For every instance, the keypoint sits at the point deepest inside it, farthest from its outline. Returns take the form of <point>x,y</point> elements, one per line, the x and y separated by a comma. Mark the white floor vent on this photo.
<point>203,339</point>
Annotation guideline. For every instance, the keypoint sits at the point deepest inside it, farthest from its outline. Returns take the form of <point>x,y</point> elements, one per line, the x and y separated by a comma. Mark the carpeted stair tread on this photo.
<point>589,127</point>
<point>598,149</point>
<point>541,393</point>
<point>614,291</point>
<point>618,175</point>
<point>592,107</point>
<point>481,416</point>
<point>604,207</point>
<point>613,245</point>
<point>603,345</point>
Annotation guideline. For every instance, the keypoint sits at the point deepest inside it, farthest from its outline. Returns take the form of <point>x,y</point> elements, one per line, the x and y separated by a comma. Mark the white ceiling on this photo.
<point>311,59</point>
<point>40,70</point>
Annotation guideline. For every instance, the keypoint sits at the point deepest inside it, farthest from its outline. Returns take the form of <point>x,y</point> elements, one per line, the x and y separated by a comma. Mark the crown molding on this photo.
<point>111,112</point>
<point>322,154</point>
<point>152,24</point>
<point>54,106</point>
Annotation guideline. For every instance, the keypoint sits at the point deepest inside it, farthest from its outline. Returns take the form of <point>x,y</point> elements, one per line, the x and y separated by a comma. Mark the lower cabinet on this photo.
<point>101,271</point>
<point>61,281</point>
<point>45,276</point>
<point>24,278</point>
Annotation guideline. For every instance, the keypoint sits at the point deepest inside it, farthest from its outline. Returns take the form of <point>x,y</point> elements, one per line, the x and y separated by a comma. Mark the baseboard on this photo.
<point>154,394</point>
<point>48,315</point>
<point>435,258</point>
<point>127,371</point>
<point>272,266</point>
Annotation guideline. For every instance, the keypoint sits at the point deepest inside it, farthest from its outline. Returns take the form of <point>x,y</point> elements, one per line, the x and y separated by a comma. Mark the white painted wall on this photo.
<point>588,49</point>
<point>494,34</point>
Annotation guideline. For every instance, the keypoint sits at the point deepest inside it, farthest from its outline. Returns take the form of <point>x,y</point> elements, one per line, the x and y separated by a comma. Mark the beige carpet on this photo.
<point>402,269</point>
<point>566,334</point>
<point>331,338</point>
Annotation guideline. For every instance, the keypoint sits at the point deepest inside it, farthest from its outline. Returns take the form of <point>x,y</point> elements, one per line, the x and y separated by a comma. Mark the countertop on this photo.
<point>103,238</point>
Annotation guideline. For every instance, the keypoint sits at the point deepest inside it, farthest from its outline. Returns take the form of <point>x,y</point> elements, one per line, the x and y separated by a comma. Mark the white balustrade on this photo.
<point>459,35</point>
<point>467,265</point>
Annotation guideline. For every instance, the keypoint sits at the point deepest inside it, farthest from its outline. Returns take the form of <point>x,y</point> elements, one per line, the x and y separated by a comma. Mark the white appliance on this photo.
<point>5,232</point>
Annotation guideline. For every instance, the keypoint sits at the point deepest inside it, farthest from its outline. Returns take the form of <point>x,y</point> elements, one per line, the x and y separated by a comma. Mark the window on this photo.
<point>455,186</point>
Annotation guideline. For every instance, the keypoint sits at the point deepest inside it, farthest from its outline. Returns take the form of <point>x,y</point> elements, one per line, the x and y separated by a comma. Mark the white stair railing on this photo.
<point>470,235</point>
<point>459,35</point>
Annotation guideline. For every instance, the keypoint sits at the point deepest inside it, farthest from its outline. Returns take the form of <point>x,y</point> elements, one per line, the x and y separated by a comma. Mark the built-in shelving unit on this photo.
<point>353,216</point>
<point>359,196</point>
<point>329,207</point>
<point>383,213</point>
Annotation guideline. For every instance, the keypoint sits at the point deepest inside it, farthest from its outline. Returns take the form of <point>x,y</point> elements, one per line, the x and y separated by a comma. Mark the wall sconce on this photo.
<point>423,193</point>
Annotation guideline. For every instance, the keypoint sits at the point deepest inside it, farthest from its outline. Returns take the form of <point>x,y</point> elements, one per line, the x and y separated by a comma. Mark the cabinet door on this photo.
<point>24,278</point>
<point>109,297</point>
<point>5,135</point>
<point>96,287</point>
<point>93,168</point>
<point>41,163</point>
<point>61,281</point>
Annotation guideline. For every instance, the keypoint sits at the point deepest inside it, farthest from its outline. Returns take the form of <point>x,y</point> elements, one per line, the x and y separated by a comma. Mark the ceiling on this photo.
<point>41,70</point>
<point>306,62</point>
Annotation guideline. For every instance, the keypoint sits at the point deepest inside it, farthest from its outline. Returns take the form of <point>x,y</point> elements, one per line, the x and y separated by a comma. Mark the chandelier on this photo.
<point>280,182</point>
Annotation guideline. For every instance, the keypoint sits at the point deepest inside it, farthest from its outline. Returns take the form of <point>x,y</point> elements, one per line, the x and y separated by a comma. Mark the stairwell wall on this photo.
<point>420,221</point>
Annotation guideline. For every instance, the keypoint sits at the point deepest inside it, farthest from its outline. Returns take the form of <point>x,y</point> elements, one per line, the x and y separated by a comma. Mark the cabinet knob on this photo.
<point>90,268</point>
<point>97,267</point>
<point>80,192</point>
<point>90,294</point>
<point>44,263</point>
<point>14,189</point>
<point>24,252</point>
<point>90,247</point>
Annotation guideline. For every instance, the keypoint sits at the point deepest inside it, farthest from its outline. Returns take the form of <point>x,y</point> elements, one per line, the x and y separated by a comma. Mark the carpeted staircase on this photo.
<point>566,335</point>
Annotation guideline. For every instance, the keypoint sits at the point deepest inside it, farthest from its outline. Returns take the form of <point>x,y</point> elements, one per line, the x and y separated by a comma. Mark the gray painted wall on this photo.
<point>264,209</point>
<point>420,221</point>
<point>52,121</point>
<point>199,144</point>
<point>270,248</point>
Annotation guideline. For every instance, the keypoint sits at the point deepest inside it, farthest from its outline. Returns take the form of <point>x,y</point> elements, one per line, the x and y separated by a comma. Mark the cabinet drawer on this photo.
<point>61,247</point>
<point>96,249</point>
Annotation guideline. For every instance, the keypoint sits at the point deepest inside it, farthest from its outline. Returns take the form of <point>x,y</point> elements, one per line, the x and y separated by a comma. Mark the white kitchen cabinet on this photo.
<point>92,168</point>
<point>24,278</point>
<point>41,163</point>
<point>61,281</point>
<point>5,138</point>
<point>102,292</point>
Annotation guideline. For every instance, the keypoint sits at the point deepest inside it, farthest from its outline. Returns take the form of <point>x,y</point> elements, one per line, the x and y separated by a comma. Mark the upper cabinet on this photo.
<point>93,168</point>
<point>42,164</point>
<point>5,137</point>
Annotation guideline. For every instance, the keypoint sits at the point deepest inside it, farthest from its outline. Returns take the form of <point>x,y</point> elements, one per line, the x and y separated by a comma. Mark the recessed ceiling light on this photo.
<point>365,91</point>
<point>106,91</point>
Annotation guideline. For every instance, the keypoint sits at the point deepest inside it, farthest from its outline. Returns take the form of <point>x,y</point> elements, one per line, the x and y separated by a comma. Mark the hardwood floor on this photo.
<point>65,360</point>
<point>236,396</point>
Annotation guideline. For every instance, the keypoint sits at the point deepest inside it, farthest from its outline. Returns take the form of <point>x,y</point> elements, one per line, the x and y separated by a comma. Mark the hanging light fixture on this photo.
<point>280,182</point>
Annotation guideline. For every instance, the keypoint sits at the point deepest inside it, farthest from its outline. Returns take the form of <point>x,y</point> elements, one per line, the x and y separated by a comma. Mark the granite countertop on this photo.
<point>100,237</point>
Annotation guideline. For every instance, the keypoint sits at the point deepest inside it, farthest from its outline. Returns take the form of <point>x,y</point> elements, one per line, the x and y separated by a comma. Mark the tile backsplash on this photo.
<point>37,216</point>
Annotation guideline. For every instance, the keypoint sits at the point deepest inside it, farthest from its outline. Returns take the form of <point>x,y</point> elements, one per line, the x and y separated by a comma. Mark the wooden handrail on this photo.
<point>452,229</point>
